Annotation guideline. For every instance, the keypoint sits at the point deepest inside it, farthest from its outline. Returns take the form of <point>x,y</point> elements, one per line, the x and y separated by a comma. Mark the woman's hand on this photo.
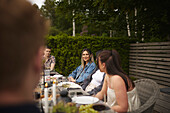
<point>71,79</point>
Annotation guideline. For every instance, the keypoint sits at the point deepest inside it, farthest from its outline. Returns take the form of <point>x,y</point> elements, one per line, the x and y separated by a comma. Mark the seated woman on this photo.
<point>120,90</point>
<point>94,82</point>
<point>85,69</point>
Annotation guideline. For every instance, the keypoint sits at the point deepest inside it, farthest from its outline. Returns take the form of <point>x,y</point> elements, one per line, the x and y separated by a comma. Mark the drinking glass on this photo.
<point>47,72</point>
<point>64,79</point>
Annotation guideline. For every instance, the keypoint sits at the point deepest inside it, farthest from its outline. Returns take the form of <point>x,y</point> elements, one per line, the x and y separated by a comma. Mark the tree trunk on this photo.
<point>74,28</point>
<point>110,33</point>
<point>128,26</point>
<point>135,22</point>
<point>143,30</point>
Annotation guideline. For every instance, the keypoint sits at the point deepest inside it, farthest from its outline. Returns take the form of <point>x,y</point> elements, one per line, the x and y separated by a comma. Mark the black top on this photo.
<point>21,108</point>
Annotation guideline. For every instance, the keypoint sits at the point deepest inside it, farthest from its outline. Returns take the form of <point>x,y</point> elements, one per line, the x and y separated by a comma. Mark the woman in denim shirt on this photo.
<point>85,69</point>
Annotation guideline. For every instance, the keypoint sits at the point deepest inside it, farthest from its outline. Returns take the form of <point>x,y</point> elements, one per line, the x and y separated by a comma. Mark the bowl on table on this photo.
<point>100,107</point>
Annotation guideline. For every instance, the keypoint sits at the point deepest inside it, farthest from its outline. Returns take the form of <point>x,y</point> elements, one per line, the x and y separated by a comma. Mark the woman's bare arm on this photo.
<point>71,79</point>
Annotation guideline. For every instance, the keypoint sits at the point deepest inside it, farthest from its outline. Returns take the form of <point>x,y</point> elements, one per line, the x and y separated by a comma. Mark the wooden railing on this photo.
<point>152,60</point>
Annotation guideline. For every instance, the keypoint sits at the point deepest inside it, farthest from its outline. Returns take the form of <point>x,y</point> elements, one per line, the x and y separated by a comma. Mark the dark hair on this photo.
<point>88,50</point>
<point>113,65</point>
<point>98,52</point>
<point>97,57</point>
<point>47,47</point>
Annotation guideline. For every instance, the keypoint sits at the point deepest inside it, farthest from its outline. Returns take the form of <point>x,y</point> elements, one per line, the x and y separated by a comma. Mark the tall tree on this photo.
<point>141,18</point>
<point>60,20</point>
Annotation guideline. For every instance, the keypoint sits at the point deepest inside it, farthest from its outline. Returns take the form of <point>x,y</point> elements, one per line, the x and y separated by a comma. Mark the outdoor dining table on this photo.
<point>73,92</point>
<point>78,92</point>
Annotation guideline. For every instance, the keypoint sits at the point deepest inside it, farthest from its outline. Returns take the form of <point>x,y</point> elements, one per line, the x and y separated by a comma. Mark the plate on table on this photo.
<point>58,76</point>
<point>68,85</point>
<point>85,100</point>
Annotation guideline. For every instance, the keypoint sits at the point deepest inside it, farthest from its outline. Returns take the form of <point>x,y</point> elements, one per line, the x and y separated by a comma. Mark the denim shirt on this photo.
<point>83,73</point>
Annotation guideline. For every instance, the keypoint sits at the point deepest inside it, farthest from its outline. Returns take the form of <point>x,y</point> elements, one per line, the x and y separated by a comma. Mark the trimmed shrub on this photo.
<point>67,50</point>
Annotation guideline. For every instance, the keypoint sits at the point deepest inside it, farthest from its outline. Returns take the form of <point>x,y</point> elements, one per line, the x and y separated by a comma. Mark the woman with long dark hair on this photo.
<point>85,69</point>
<point>120,90</point>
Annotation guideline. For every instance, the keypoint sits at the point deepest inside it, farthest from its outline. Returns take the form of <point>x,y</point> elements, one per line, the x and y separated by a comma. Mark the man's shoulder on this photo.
<point>51,56</point>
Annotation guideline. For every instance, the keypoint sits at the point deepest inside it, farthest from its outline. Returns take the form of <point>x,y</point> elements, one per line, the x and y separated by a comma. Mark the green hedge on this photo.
<point>67,50</point>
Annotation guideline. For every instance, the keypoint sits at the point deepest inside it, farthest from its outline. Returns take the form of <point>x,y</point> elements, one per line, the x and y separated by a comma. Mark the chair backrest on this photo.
<point>148,91</point>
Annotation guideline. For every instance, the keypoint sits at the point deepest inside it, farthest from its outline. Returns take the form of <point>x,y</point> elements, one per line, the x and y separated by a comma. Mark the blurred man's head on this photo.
<point>22,31</point>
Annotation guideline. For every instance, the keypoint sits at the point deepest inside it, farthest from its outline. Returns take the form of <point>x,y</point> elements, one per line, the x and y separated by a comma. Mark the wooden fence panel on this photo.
<point>152,60</point>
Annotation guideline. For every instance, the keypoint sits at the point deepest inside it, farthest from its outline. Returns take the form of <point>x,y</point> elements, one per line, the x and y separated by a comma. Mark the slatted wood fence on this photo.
<point>152,60</point>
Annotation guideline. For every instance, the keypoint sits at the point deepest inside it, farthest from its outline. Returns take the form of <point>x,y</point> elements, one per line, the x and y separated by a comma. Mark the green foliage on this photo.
<point>133,78</point>
<point>67,50</point>
<point>87,109</point>
<point>101,16</point>
<point>152,39</point>
<point>53,31</point>
<point>61,107</point>
<point>60,20</point>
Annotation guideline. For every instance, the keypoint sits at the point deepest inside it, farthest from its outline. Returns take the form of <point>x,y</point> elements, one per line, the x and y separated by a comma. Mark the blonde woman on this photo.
<point>85,69</point>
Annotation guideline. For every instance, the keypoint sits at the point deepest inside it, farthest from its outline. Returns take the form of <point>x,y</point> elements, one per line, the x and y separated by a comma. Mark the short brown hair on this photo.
<point>22,31</point>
